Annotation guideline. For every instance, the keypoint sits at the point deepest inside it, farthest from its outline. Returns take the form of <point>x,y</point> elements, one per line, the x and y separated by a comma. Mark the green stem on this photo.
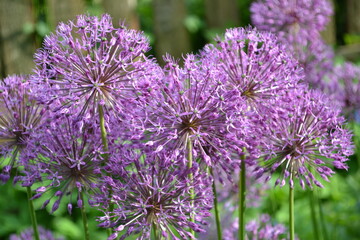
<point>322,221</point>
<point>105,150</point>
<point>84,218</point>
<point>154,231</point>
<point>291,213</point>
<point>191,177</point>
<point>313,214</point>
<point>103,133</point>
<point>217,215</point>
<point>32,214</point>
<point>242,194</point>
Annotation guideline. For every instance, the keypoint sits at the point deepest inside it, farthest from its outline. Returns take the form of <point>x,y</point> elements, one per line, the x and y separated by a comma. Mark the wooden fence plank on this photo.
<point>222,13</point>
<point>121,10</point>
<point>17,48</point>
<point>171,35</point>
<point>63,11</point>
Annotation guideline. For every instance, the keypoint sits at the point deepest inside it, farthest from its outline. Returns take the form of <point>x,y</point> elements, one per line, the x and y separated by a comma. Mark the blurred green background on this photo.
<point>177,27</point>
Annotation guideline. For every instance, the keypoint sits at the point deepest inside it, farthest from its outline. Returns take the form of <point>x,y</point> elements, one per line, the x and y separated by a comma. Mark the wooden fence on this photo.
<point>20,27</point>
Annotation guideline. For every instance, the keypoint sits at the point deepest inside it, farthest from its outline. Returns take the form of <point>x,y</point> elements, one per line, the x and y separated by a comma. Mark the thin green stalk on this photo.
<point>242,194</point>
<point>32,214</point>
<point>103,133</point>
<point>217,215</point>
<point>84,218</point>
<point>191,177</point>
<point>154,232</point>
<point>322,221</point>
<point>291,213</point>
<point>105,150</point>
<point>312,198</point>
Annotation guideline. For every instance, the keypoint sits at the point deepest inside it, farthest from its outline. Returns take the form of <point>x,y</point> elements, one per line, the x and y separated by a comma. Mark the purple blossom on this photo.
<point>20,117</point>
<point>265,230</point>
<point>345,88</point>
<point>191,107</point>
<point>67,156</point>
<point>306,139</point>
<point>89,62</point>
<point>28,235</point>
<point>255,66</point>
<point>152,194</point>
<point>295,20</point>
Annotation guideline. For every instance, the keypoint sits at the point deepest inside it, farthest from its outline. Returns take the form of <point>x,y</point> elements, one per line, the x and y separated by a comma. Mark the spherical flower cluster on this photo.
<point>307,138</point>
<point>28,234</point>
<point>89,62</point>
<point>193,113</point>
<point>254,65</point>
<point>152,196</point>
<point>295,20</point>
<point>346,88</point>
<point>298,23</point>
<point>20,116</point>
<point>67,155</point>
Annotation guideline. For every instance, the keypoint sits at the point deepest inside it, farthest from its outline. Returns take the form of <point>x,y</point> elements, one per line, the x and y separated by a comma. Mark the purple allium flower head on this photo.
<point>345,87</point>
<point>20,116</point>
<point>89,62</point>
<point>295,20</point>
<point>28,235</point>
<point>306,139</point>
<point>192,108</point>
<point>265,230</point>
<point>317,59</point>
<point>153,193</point>
<point>254,65</point>
<point>68,159</point>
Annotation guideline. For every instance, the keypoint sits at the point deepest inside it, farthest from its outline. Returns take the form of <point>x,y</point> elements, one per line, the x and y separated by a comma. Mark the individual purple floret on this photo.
<point>152,196</point>
<point>307,138</point>
<point>89,62</point>
<point>28,235</point>
<point>193,112</point>
<point>255,66</point>
<point>67,155</point>
<point>295,20</point>
<point>20,117</point>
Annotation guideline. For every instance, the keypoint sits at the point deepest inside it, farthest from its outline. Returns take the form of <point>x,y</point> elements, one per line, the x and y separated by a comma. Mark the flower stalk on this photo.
<point>32,214</point>
<point>191,177</point>
<point>103,133</point>
<point>216,208</point>
<point>84,218</point>
<point>242,192</point>
<point>291,213</point>
<point>312,199</point>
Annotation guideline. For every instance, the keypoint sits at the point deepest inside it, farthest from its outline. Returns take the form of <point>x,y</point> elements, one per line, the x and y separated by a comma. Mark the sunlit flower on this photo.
<point>192,112</point>
<point>255,66</point>
<point>89,62</point>
<point>152,196</point>
<point>306,139</point>
<point>68,161</point>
